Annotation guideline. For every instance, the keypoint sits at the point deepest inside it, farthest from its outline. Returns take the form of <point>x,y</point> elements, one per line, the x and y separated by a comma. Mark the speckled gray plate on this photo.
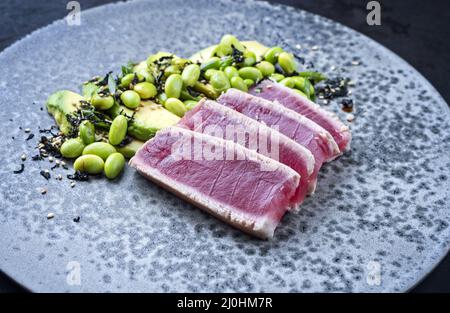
<point>386,201</point>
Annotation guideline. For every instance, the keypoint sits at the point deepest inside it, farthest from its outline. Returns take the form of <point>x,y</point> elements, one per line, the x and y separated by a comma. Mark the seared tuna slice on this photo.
<point>295,126</point>
<point>238,185</point>
<point>212,118</point>
<point>272,91</point>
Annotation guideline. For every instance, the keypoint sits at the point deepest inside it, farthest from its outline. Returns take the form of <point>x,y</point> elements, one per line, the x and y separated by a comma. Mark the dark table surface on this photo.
<point>417,30</point>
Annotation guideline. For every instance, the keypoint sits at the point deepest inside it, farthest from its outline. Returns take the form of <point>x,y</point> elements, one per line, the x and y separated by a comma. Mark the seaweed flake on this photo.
<point>30,136</point>
<point>45,174</point>
<point>79,176</point>
<point>22,167</point>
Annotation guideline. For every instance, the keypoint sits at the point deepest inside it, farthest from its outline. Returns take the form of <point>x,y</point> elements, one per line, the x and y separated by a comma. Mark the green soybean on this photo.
<point>87,132</point>
<point>222,50</point>
<point>171,69</point>
<point>190,75</point>
<point>102,103</point>
<point>238,83</point>
<point>276,77</point>
<point>287,62</point>
<point>89,163</point>
<point>118,130</point>
<point>302,84</point>
<point>126,80</point>
<point>288,82</point>
<point>250,73</point>
<point>208,74</point>
<point>101,149</point>
<point>301,93</point>
<point>190,104</point>
<point>72,148</point>
<point>249,82</point>
<point>114,164</point>
<point>249,58</point>
<point>266,68</point>
<point>211,63</point>
<point>272,54</point>
<point>146,75</point>
<point>162,97</point>
<point>175,106</point>
<point>173,86</point>
<point>130,99</point>
<point>146,90</point>
<point>232,41</point>
<point>219,81</point>
<point>231,71</point>
<point>207,90</point>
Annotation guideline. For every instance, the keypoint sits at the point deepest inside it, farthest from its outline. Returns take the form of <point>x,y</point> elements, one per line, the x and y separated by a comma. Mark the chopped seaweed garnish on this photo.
<point>128,69</point>
<point>194,93</point>
<point>104,81</point>
<point>76,219</point>
<point>347,105</point>
<point>30,136</point>
<point>22,167</point>
<point>45,174</point>
<point>333,88</point>
<point>79,176</point>
<point>48,146</point>
<point>125,141</point>
<point>237,55</point>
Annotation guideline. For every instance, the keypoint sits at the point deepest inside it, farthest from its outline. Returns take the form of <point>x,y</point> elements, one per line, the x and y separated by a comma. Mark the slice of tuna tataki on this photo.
<point>212,118</point>
<point>248,190</point>
<point>272,91</point>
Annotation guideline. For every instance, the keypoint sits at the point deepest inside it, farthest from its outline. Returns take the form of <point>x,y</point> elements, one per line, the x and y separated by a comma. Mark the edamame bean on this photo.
<point>250,73</point>
<point>126,80</point>
<point>162,97</point>
<point>72,148</point>
<point>238,83</point>
<point>102,103</point>
<point>173,86</point>
<point>276,77</point>
<point>207,90</point>
<point>101,149</point>
<point>145,90</point>
<point>232,41</point>
<point>231,71</point>
<point>114,164</point>
<point>272,54</point>
<point>190,104</point>
<point>249,58</point>
<point>209,73</point>
<point>249,82</point>
<point>288,82</point>
<point>287,62</point>
<point>171,69</point>
<point>175,106</point>
<point>190,75</point>
<point>211,63</point>
<point>87,132</point>
<point>222,50</point>
<point>219,81</point>
<point>266,68</point>
<point>89,163</point>
<point>146,75</point>
<point>118,130</point>
<point>302,84</point>
<point>130,99</point>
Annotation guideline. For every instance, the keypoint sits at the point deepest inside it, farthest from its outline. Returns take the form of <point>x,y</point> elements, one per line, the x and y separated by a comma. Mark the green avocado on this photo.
<point>148,119</point>
<point>61,103</point>
<point>256,47</point>
<point>130,149</point>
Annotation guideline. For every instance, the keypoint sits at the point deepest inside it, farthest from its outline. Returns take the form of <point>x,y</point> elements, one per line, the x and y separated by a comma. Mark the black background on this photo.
<point>417,30</point>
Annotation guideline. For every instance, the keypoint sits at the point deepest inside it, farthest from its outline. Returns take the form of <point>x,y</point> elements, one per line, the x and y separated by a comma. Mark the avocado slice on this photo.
<point>148,119</point>
<point>130,149</point>
<point>256,47</point>
<point>61,103</point>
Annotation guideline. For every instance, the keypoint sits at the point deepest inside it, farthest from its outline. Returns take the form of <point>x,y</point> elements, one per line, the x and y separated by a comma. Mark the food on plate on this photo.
<point>152,110</point>
<point>217,120</point>
<point>237,191</point>
<point>276,92</point>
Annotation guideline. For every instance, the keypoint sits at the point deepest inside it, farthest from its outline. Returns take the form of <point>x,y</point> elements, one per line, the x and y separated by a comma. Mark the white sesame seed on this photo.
<point>50,159</point>
<point>72,184</point>
<point>50,216</point>
<point>355,62</point>
<point>27,130</point>
<point>23,157</point>
<point>350,117</point>
<point>43,191</point>
<point>315,48</point>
